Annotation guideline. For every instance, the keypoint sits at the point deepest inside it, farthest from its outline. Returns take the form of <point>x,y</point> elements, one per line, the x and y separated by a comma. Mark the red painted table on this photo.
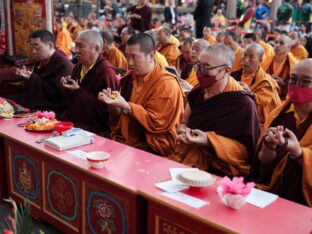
<point>63,190</point>
<point>169,216</point>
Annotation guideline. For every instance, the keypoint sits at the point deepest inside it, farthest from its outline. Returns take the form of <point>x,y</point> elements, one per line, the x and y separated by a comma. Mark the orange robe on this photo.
<point>212,40</point>
<point>116,58</point>
<point>278,171</point>
<point>64,41</point>
<point>171,53</point>
<point>226,155</point>
<point>265,92</point>
<point>173,39</point>
<point>238,63</point>
<point>150,126</point>
<point>192,78</point>
<point>268,49</point>
<point>75,32</point>
<point>159,58</point>
<point>283,71</point>
<point>299,52</point>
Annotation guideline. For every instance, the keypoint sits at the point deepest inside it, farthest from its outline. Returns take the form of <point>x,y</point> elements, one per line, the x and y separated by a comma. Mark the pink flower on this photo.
<point>6,231</point>
<point>118,76</point>
<point>235,186</point>
<point>51,115</point>
<point>39,114</point>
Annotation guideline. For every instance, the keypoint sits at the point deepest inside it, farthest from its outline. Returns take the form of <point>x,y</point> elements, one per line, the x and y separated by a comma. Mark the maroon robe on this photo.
<point>43,89</point>
<point>229,114</point>
<point>84,109</point>
<point>144,23</point>
<point>290,187</point>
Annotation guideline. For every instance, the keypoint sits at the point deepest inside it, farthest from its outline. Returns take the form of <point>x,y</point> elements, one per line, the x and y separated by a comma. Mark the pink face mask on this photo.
<point>299,94</point>
<point>205,81</point>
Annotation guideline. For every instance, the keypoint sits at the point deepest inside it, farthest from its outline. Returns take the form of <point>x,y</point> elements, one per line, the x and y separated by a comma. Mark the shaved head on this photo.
<point>222,53</point>
<point>257,48</point>
<point>282,45</point>
<point>107,36</point>
<point>145,41</point>
<point>304,66</point>
<point>165,30</point>
<point>153,34</point>
<point>198,46</point>
<point>93,37</point>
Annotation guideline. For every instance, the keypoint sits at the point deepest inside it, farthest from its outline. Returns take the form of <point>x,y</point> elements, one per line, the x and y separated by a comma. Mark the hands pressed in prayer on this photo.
<point>113,98</point>
<point>23,72</point>
<point>245,87</point>
<point>279,137</point>
<point>68,83</point>
<point>194,136</point>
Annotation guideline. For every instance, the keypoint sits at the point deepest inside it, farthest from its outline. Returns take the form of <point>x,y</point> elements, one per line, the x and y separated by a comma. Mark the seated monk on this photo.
<point>189,74</point>
<point>231,39</point>
<point>159,58</point>
<point>91,75</point>
<point>268,49</point>
<point>283,165</point>
<point>111,52</point>
<point>125,35</point>
<point>282,64</point>
<point>207,35</point>
<point>184,59</point>
<point>64,40</point>
<point>139,113</point>
<point>42,89</point>
<point>167,48</point>
<point>220,129</point>
<point>263,88</point>
<point>185,32</point>
<point>297,49</point>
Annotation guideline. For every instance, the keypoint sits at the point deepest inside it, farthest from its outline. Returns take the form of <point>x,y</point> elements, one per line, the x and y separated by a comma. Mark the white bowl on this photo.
<point>97,158</point>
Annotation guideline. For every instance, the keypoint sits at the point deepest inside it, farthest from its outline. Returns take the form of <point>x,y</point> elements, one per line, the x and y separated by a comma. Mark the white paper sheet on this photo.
<point>78,153</point>
<point>176,171</point>
<point>170,186</point>
<point>261,198</point>
<point>186,199</point>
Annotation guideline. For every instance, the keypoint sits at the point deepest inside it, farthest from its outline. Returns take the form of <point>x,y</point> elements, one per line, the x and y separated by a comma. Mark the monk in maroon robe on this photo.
<point>140,16</point>
<point>284,159</point>
<point>42,89</point>
<point>91,75</point>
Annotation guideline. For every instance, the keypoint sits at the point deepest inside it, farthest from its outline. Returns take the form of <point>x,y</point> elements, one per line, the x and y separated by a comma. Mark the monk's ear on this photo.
<point>98,48</point>
<point>228,69</point>
<point>152,54</point>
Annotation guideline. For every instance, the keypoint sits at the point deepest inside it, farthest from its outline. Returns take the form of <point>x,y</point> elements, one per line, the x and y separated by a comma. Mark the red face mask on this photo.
<point>205,81</point>
<point>299,94</point>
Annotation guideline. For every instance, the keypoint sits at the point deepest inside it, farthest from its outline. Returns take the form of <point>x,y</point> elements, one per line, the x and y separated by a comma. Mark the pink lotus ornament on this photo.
<point>234,193</point>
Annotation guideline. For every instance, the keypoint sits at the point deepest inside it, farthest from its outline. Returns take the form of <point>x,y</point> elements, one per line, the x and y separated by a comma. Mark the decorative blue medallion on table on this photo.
<point>105,214</point>
<point>25,176</point>
<point>62,195</point>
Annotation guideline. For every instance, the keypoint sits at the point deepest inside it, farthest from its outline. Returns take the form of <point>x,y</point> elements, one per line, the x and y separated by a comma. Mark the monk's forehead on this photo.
<point>284,39</point>
<point>211,58</point>
<point>303,70</point>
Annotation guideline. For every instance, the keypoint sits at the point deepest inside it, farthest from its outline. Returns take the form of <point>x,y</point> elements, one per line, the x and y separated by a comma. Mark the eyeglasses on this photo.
<point>36,47</point>
<point>204,68</point>
<point>305,83</point>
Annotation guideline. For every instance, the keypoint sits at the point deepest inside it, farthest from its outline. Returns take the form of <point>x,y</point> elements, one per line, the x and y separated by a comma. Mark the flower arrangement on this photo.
<point>20,222</point>
<point>46,114</point>
<point>233,193</point>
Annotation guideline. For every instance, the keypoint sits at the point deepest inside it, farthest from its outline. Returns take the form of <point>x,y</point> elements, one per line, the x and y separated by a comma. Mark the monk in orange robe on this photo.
<point>111,52</point>
<point>207,35</point>
<point>167,48</point>
<point>283,165</point>
<point>282,64</point>
<point>139,112</point>
<point>64,40</point>
<point>220,127</point>
<point>268,49</point>
<point>189,74</point>
<point>159,58</point>
<point>297,49</point>
<point>263,88</point>
<point>231,40</point>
